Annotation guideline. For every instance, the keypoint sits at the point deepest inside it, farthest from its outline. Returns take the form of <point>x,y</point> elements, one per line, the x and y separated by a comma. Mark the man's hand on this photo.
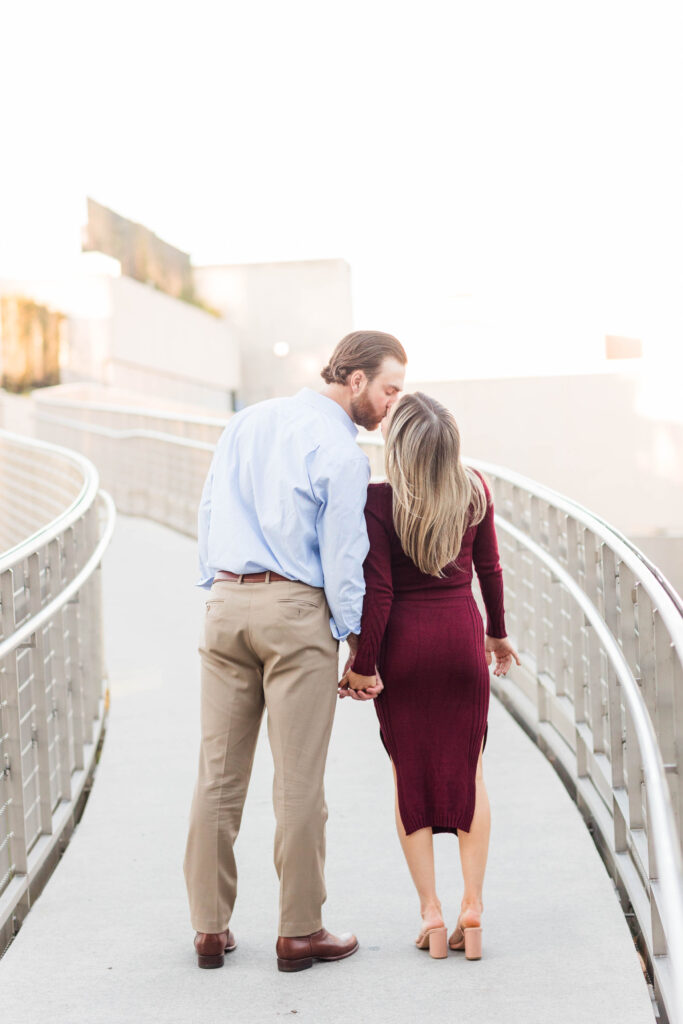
<point>504,653</point>
<point>352,641</point>
<point>360,687</point>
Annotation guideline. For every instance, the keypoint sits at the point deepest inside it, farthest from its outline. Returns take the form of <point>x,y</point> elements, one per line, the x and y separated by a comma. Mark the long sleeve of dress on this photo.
<point>379,593</point>
<point>487,564</point>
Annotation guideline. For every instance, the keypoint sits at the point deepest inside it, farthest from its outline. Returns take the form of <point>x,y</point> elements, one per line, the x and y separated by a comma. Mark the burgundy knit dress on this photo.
<point>426,637</point>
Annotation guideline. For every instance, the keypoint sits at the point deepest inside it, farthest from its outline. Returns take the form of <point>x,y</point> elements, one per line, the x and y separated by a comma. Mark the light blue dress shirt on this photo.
<point>286,491</point>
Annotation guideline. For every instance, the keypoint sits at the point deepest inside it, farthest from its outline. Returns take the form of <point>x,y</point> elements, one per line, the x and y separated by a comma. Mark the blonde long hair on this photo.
<point>435,497</point>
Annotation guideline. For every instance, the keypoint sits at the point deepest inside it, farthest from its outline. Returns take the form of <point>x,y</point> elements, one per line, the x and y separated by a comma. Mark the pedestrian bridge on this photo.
<point>584,892</point>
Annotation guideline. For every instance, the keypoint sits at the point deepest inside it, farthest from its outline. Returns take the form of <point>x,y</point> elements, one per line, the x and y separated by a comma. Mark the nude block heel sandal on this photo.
<point>434,939</point>
<point>468,939</point>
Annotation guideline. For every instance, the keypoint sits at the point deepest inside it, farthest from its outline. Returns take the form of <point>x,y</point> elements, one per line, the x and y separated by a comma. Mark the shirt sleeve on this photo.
<point>203,522</point>
<point>379,594</point>
<point>489,572</point>
<point>343,540</point>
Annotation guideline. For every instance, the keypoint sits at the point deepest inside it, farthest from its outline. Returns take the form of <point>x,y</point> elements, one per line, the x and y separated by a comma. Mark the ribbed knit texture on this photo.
<point>426,637</point>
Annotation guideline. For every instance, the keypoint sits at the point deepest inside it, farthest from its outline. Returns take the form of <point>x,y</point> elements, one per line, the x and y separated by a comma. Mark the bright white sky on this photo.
<point>502,175</point>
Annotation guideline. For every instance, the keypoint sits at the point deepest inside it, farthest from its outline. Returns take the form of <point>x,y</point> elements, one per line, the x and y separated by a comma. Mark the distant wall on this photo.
<point>170,348</point>
<point>120,332</point>
<point>305,305</point>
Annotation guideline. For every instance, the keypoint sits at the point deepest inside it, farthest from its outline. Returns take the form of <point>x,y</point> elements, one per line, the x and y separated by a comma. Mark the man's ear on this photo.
<point>356,380</point>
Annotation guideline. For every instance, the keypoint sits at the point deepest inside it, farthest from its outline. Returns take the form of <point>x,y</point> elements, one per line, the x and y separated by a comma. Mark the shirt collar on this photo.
<point>329,407</point>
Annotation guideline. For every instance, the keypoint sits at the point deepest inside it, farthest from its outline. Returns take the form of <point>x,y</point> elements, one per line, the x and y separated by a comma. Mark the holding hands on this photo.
<point>354,685</point>
<point>360,687</point>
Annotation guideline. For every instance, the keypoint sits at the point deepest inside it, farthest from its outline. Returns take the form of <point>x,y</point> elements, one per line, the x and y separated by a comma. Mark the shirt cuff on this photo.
<point>341,634</point>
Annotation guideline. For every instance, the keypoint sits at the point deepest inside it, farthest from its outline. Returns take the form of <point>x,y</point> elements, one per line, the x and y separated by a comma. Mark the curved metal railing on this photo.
<point>600,634</point>
<point>51,664</point>
<point>153,463</point>
<point>117,416</point>
<point>29,508</point>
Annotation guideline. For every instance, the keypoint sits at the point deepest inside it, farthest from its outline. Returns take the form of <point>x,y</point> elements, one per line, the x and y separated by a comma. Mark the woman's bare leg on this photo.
<point>474,848</point>
<point>418,850</point>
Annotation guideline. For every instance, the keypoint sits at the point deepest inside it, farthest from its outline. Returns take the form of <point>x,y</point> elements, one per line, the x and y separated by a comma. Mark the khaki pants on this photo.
<point>264,644</point>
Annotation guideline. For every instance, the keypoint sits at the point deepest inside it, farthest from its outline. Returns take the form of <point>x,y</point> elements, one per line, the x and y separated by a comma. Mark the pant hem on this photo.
<point>298,928</point>
<point>210,927</point>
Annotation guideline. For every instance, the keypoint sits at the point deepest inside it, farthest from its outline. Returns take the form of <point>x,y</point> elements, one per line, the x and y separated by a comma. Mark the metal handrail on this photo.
<point>130,433</point>
<point>655,873</point>
<point>132,410</point>
<point>578,510</point>
<point>626,550</point>
<point>51,667</point>
<point>664,834</point>
<point>83,500</point>
<point>36,622</point>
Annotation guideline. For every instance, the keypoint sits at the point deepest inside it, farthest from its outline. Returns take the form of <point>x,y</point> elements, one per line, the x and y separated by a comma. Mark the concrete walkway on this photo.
<point>109,940</point>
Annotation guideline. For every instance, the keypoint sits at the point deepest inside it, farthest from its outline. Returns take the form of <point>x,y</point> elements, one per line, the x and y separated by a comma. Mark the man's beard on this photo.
<point>363,413</point>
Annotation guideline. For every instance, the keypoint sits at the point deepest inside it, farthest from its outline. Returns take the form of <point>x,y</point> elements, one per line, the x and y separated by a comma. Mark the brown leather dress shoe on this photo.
<point>210,948</point>
<point>296,954</point>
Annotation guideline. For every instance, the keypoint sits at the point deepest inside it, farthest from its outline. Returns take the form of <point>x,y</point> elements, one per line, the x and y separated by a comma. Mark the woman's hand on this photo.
<point>504,654</point>
<point>360,687</point>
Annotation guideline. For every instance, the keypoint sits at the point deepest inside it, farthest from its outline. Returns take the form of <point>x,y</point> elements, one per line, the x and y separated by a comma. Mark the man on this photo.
<point>282,541</point>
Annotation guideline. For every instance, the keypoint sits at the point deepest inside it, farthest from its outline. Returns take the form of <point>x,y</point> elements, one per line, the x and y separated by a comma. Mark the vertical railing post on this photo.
<point>85,629</point>
<point>628,640</point>
<point>559,659</point>
<point>541,644</point>
<point>39,723</point>
<point>677,796</point>
<point>577,635</point>
<point>60,708</point>
<point>615,719</point>
<point>99,668</point>
<point>94,622</point>
<point>617,728</point>
<point>594,658</point>
<point>75,679</point>
<point>12,768</point>
<point>658,936</point>
<point>665,656</point>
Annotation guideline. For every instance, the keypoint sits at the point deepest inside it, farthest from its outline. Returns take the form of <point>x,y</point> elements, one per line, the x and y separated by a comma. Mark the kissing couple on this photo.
<point>298,552</point>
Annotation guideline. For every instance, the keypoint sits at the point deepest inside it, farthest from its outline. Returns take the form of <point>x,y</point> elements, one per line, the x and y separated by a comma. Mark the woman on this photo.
<point>423,635</point>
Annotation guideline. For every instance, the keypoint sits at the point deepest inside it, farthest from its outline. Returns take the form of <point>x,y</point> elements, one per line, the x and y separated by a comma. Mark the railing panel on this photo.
<point>609,639</point>
<point>51,672</point>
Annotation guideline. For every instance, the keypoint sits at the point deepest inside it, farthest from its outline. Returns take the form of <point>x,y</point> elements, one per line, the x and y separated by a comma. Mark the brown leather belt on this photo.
<point>251,577</point>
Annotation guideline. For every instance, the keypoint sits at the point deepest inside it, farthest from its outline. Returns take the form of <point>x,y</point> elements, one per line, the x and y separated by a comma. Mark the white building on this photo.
<point>285,319</point>
<point>125,334</point>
